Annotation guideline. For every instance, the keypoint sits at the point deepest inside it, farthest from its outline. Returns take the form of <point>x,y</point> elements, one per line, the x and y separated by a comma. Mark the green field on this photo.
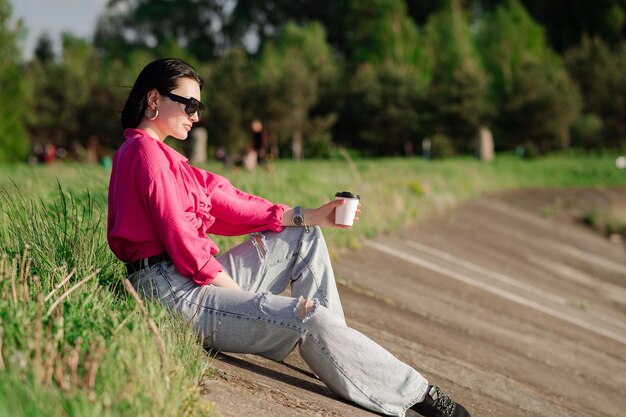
<point>82,347</point>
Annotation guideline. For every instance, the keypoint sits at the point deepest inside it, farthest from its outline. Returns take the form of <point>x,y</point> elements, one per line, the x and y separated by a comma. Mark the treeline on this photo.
<point>376,76</point>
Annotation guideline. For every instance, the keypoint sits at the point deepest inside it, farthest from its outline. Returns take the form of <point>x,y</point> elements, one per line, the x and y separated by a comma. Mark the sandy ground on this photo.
<point>506,302</point>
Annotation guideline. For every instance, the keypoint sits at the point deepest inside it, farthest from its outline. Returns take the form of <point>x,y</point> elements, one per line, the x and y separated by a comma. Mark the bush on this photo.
<point>587,132</point>
<point>607,222</point>
<point>441,147</point>
<point>530,150</point>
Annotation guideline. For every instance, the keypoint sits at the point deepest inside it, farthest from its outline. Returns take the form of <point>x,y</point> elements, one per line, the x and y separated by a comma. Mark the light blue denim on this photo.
<point>259,321</point>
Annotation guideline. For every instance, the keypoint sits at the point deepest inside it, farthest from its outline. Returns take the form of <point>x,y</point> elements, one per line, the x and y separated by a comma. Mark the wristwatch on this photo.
<point>298,216</point>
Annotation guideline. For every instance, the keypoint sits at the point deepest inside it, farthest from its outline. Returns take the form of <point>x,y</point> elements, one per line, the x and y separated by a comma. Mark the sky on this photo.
<point>54,17</point>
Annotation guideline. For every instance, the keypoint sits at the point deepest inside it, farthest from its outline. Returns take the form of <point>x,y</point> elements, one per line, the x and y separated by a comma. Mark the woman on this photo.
<point>161,211</point>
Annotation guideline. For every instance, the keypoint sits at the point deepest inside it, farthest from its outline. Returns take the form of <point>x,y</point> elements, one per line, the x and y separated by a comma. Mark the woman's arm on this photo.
<point>224,280</point>
<point>237,212</point>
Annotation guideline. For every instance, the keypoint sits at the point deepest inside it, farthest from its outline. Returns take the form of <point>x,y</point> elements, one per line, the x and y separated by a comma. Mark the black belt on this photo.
<point>135,266</point>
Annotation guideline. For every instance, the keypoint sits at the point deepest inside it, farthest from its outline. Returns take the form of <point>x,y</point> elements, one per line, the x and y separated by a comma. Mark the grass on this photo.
<point>74,343</point>
<point>609,222</point>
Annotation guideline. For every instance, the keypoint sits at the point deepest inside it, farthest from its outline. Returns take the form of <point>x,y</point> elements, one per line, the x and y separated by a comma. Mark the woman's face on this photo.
<point>172,119</point>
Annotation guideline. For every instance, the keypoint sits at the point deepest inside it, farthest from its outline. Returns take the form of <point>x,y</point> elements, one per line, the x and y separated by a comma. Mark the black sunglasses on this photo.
<point>191,104</point>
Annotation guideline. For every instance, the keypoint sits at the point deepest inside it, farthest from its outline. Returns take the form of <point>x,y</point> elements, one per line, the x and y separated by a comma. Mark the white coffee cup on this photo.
<point>344,215</point>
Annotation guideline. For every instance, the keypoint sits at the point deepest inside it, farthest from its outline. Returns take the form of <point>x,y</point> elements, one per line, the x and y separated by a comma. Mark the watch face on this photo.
<point>298,218</point>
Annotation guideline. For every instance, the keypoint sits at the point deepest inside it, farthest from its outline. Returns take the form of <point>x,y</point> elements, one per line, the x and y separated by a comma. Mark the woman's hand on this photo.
<point>325,215</point>
<point>224,280</point>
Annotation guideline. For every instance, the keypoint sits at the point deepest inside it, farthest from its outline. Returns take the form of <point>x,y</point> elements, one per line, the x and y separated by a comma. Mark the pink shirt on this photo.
<point>159,203</point>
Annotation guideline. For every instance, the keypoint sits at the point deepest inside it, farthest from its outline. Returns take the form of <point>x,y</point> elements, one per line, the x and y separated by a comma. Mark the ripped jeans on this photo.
<point>259,321</point>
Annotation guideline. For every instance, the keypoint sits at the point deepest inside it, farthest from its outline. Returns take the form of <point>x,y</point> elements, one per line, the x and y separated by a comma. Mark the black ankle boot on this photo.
<point>438,404</point>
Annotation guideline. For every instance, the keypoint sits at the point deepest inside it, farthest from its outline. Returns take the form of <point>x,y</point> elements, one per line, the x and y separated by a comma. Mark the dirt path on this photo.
<point>506,302</point>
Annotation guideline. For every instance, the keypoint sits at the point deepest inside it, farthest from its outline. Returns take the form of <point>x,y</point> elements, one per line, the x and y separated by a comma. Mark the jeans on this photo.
<point>259,321</point>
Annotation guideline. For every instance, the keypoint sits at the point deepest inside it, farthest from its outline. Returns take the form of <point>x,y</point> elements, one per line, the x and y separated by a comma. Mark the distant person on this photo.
<point>37,154</point>
<point>49,153</point>
<point>260,142</point>
<point>93,152</point>
<point>222,155</point>
<point>249,158</point>
<point>162,212</point>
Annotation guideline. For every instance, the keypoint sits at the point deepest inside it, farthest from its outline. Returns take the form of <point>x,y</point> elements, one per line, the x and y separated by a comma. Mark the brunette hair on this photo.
<point>162,74</point>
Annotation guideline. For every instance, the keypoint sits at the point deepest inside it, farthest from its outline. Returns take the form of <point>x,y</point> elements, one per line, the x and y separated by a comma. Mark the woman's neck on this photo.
<point>151,130</point>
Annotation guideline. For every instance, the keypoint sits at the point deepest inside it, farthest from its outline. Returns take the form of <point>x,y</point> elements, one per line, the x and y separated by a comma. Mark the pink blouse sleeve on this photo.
<point>190,251</point>
<point>237,212</point>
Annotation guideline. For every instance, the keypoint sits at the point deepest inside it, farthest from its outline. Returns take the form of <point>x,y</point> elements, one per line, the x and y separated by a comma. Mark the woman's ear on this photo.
<point>152,98</point>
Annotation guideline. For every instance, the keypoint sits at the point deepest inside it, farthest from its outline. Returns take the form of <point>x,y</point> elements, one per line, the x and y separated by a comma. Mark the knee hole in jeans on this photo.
<point>305,308</point>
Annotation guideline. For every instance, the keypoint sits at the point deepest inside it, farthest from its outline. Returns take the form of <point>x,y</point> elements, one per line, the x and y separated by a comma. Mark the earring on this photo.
<point>151,114</point>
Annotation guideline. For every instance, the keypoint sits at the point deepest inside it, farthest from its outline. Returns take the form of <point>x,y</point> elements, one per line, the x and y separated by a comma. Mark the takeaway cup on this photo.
<point>344,215</point>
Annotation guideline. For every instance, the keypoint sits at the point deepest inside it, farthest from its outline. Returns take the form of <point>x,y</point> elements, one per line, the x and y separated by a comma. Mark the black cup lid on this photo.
<point>347,194</point>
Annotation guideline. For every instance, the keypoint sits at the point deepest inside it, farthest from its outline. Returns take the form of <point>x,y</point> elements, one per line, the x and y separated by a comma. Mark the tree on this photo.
<point>265,19</point>
<point>537,100</point>
<point>459,89</point>
<point>388,71</point>
<point>78,98</point>
<point>507,36</point>
<point>61,88</point>
<point>14,94</point>
<point>541,107</point>
<point>44,50</point>
<point>421,10</point>
<point>293,71</point>
<point>599,71</point>
<point>382,115</point>
<point>196,25</point>
<point>565,22</point>
<point>232,89</point>
<point>381,31</point>
<point>568,21</point>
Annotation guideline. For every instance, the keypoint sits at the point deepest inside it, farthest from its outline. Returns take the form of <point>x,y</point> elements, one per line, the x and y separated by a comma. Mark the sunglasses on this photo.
<point>191,104</point>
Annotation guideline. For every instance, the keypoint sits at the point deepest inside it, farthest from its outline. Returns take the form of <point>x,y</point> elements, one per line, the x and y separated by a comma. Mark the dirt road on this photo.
<point>506,302</point>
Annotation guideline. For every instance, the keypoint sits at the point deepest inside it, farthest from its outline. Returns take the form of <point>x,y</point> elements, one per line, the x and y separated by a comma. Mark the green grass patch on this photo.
<point>73,343</point>
<point>607,222</point>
